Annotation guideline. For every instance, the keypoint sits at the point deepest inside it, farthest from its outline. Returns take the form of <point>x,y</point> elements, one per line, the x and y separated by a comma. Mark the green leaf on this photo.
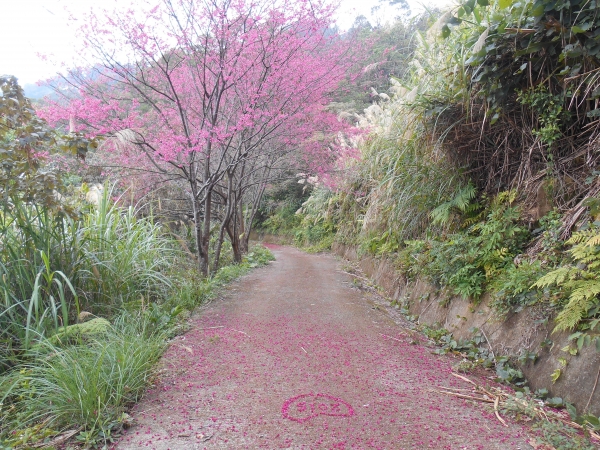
<point>483,2</point>
<point>505,3</point>
<point>562,362</point>
<point>445,31</point>
<point>533,48</point>
<point>576,30</point>
<point>574,336</point>
<point>555,401</point>
<point>580,342</point>
<point>542,393</point>
<point>594,113</point>
<point>576,69</point>
<point>592,420</point>
<point>555,375</point>
<point>538,11</point>
<point>572,51</point>
<point>571,410</point>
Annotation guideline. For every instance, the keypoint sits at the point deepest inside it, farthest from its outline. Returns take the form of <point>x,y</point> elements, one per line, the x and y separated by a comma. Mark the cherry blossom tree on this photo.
<point>212,93</point>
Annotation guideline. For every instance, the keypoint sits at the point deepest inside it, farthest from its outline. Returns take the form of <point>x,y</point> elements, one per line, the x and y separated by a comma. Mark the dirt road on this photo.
<point>294,357</point>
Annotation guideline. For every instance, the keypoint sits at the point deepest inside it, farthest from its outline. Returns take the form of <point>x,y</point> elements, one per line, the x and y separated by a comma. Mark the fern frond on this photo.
<point>472,208</point>
<point>578,253</point>
<point>580,302</point>
<point>504,198</point>
<point>557,276</point>
<point>585,290</point>
<point>577,238</point>
<point>460,202</point>
<point>582,281</point>
<point>593,241</point>
<point>441,214</point>
<point>464,197</point>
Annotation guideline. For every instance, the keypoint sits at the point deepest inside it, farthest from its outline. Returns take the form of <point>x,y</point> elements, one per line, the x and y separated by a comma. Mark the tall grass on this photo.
<point>126,257</point>
<point>88,386</point>
<point>407,170</point>
<point>37,261</point>
<point>111,262</point>
<point>53,266</point>
<point>404,171</point>
<point>406,178</point>
<point>400,178</point>
<point>86,381</point>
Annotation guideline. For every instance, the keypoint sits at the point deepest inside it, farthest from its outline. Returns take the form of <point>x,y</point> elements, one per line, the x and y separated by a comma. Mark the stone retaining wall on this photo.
<point>516,333</point>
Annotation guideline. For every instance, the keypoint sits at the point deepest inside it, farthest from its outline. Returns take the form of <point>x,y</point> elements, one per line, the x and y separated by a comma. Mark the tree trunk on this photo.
<point>252,215</point>
<point>235,241</point>
<point>224,223</point>
<point>198,227</point>
<point>217,257</point>
<point>205,263</point>
<point>242,229</point>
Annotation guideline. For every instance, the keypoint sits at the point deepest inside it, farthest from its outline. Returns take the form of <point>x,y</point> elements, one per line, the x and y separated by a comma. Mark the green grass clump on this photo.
<point>86,386</point>
<point>190,291</point>
<point>111,264</point>
<point>52,267</point>
<point>86,375</point>
<point>125,256</point>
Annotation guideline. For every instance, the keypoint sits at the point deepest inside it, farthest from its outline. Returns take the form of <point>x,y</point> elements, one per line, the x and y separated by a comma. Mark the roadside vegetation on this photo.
<point>462,179</point>
<point>479,172</point>
<point>90,291</point>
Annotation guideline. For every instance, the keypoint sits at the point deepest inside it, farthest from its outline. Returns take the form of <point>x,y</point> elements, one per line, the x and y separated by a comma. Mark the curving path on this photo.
<point>295,358</point>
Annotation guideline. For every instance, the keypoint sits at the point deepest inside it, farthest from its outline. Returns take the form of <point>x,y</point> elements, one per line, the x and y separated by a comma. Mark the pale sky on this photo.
<point>32,27</point>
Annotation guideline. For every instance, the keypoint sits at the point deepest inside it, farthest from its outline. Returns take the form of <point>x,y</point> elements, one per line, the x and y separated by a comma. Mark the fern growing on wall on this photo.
<point>580,280</point>
<point>468,259</point>
<point>461,204</point>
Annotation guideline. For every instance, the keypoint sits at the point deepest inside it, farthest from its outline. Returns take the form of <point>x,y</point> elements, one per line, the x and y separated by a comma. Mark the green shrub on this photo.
<point>282,221</point>
<point>258,256</point>
<point>88,385</point>
<point>411,257</point>
<point>467,260</point>
<point>277,212</point>
<point>319,216</point>
<point>579,280</point>
<point>190,291</point>
<point>511,288</point>
<point>53,266</point>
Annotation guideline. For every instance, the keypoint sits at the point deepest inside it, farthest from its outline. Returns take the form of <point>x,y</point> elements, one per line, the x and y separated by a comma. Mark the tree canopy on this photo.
<point>209,93</point>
